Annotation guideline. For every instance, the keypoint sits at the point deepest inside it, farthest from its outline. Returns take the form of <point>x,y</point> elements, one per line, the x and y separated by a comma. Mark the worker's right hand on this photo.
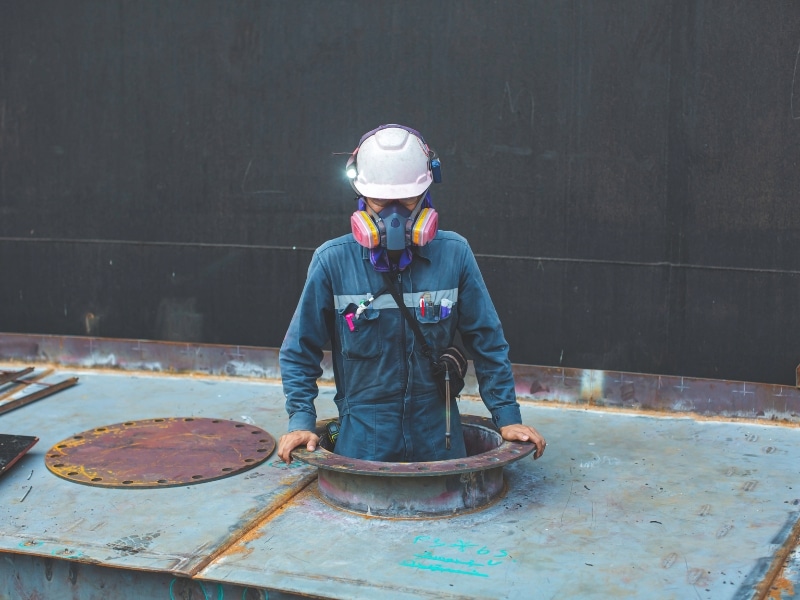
<point>292,440</point>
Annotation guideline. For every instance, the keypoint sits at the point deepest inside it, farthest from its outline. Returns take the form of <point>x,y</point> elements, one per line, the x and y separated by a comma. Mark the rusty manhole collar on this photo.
<point>421,489</point>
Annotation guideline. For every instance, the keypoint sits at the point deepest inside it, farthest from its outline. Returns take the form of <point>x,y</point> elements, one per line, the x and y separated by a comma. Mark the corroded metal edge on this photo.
<point>781,576</point>
<point>420,490</point>
<point>452,496</point>
<point>14,447</point>
<point>660,393</point>
<point>671,394</point>
<point>141,355</point>
<point>497,454</point>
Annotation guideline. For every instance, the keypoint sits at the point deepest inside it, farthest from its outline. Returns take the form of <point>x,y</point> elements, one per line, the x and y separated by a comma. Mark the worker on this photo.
<point>390,408</point>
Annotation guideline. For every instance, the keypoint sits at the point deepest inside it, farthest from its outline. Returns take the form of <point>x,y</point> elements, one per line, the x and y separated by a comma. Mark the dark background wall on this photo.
<point>625,170</point>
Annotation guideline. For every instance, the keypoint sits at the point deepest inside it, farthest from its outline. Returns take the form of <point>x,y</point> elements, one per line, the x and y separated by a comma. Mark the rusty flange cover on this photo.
<point>155,453</point>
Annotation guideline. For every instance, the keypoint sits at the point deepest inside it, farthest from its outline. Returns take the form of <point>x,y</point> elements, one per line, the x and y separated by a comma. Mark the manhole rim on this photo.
<point>504,454</point>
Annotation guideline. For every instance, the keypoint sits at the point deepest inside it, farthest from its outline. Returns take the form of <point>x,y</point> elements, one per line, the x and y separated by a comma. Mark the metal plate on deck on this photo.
<point>162,452</point>
<point>14,447</point>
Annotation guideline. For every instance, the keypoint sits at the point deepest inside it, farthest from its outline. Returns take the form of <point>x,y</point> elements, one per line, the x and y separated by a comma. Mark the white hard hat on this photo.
<point>390,162</point>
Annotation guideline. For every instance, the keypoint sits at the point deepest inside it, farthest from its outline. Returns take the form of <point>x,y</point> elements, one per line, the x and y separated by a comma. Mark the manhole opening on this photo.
<point>477,439</point>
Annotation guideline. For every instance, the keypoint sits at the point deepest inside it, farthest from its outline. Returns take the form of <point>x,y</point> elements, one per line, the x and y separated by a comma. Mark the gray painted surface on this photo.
<point>623,504</point>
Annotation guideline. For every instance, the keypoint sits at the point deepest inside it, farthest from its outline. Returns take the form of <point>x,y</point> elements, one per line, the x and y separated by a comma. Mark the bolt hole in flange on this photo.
<point>419,490</point>
<point>162,452</point>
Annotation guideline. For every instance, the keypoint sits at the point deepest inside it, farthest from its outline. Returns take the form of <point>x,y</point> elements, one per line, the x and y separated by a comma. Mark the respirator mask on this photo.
<point>395,227</point>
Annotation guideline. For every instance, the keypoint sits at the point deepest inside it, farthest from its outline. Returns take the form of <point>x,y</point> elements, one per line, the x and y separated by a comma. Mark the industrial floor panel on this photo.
<point>173,529</point>
<point>621,505</point>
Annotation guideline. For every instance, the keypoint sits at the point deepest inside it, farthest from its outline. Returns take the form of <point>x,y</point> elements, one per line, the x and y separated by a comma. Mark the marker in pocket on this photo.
<point>444,311</point>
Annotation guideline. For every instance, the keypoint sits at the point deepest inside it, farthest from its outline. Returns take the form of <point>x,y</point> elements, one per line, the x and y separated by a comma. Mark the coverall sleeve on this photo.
<point>302,349</point>
<point>482,334</point>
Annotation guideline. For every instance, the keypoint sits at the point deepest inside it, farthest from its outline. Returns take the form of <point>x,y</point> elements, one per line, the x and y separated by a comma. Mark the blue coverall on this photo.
<point>389,406</point>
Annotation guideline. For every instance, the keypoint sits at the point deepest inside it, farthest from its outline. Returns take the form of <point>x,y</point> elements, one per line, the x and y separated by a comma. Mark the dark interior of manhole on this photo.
<point>477,439</point>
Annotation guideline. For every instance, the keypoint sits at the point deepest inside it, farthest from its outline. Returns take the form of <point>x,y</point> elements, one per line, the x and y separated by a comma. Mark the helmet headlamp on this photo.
<point>350,170</point>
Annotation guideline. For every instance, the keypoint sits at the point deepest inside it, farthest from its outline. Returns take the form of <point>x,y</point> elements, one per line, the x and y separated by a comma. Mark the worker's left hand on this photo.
<point>524,433</point>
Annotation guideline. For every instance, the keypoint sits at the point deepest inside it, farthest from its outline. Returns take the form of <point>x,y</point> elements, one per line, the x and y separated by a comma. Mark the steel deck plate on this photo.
<point>621,505</point>
<point>175,529</point>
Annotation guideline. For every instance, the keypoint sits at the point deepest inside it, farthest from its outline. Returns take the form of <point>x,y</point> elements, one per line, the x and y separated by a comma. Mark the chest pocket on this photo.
<point>363,342</point>
<point>439,331</point>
